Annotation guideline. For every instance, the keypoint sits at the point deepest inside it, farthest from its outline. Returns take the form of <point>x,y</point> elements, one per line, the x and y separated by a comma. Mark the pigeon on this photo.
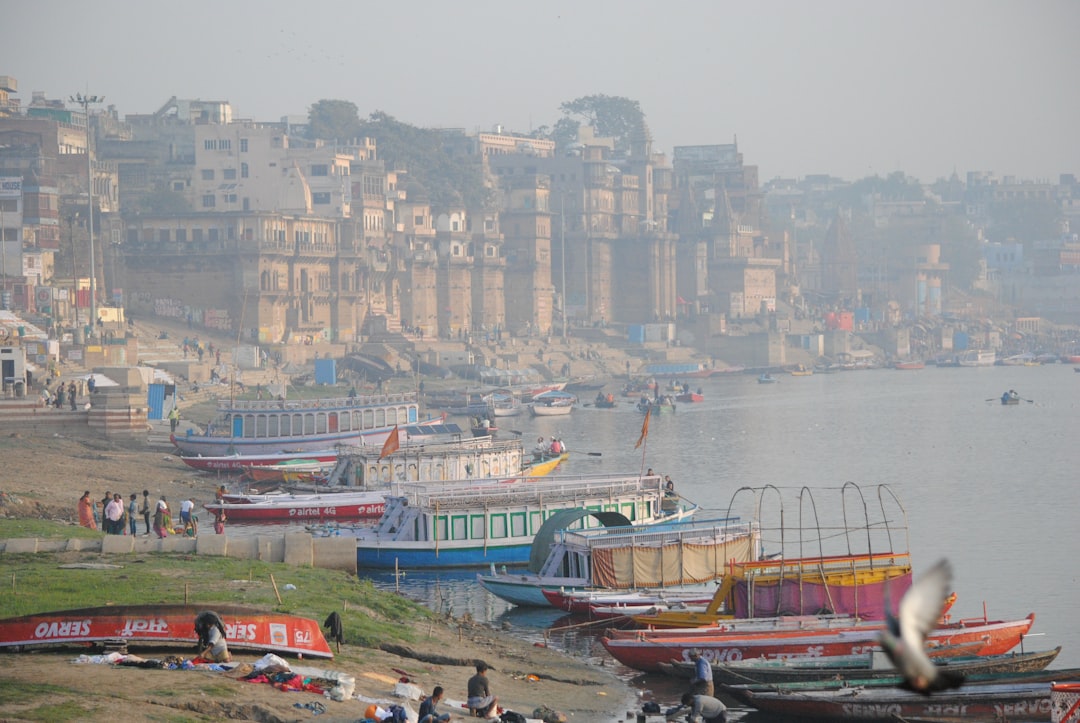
<point>904,637</point>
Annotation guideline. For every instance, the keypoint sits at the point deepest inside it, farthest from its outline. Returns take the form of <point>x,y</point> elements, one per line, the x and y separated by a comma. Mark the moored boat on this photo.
<point>474,523</point>
<point>269,427</point>
<point>910,364</point>
<point>246,628</point>
<point>552,404</point>
<point>239,462</point>
<point>319,506</point>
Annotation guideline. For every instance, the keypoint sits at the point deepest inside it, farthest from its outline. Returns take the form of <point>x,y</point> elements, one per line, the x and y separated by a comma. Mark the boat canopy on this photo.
<point>545,536</point>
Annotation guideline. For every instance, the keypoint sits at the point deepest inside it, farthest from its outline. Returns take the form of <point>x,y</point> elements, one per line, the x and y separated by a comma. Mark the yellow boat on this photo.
<point>845,584</point>
<point>801,371</point>
<point>545,466</point>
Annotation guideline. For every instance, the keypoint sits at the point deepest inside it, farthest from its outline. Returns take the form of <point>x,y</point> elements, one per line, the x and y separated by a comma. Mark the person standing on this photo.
<point>480,701</point>
<point>702,682</point>
<point>219,521</point>
<point>105,503</point>
<point>145,511</point>
<point>132,513</point>
<point>86,511</point>
<point>72,394</point>
<point>174,419</point>
<point>428,708</point>
<point>114,516</point>
<point>161,517</point>
<point>186,507</point>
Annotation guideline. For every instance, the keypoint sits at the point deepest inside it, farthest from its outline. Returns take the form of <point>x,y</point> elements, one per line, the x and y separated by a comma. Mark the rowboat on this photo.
<point>766,378</point>
<point>1028,701</point>
<point>801,371</point>
<point>674,552</point>
<point>862,667</point>
<point>690,397</point>
<point>293,470</point>
<point>552,404</point>
<point>269,427</point>
<point>662,405</point>
<point>246,628</point>
<point>238,462</point>
<point>600,604</point>
<point>646,650</point>
<point>914,364</point>
<point>474,523</point>
<point>505,405</point>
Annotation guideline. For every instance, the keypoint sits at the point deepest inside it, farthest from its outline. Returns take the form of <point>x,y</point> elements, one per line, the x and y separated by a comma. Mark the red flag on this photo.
<point>391,444</point>
<point>644,429</point>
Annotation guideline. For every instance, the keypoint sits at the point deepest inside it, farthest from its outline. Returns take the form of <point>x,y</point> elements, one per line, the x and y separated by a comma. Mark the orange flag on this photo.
<point>391,444</point>
<point>644,430</point>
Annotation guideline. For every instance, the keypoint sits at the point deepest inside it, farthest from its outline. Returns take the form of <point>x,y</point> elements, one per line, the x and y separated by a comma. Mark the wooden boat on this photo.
<point>293,470</point>
<point>673,552</point>
<point>690,397</point>
<point>474,523</point>
<point>862,666</point>
<point>269,427</point>
<point>239,462</point>
<point>604,604</point>
<point>999,700</point>
<point>767,378</point>
<point>505,405</point>
<point>324,506</point>
<point>544,464</point>
<point>801,371</point>
<point>646,650</point>
<point>552,404</point>
<point>851,584</point>
<point>246,628</point>
<point>1009,401</point>
<point>604,401</point>
<point>912,364</point>
<point>662,405</point>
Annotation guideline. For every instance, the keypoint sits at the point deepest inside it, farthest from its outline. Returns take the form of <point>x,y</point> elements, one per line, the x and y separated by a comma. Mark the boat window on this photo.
<point>459,527</point>
<point>535,520</point>
<point>517,524</point>
<point>628,511</point>
<point>249,425</point>
<point>369,419</point>
<point>309,423</point>
<point>272,428</point>
<point>413,414</point>
<point>260,425</point>
<point>440,527</point>
<point>380,417</point>
<point>320,423</point>
<point>498,527</point>
<point>344,421</point>
<point>477,524</point>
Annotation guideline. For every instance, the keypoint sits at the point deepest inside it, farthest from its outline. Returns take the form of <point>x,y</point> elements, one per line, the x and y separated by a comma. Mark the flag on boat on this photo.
<point>644,429</point>
<point>391,444</point>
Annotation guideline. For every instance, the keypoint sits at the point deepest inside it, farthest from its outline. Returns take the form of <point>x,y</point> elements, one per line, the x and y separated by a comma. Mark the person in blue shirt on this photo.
<point>702,682</point>
<point>428,712</point>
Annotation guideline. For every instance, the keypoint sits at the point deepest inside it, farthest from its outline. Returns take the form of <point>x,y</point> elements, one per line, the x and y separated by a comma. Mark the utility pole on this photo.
<point>562,234</point>
<point>85,101</point>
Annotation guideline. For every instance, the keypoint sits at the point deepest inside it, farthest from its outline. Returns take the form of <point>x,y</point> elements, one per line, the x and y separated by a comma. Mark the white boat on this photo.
<point>505,405</point>
<point>474,523</point>
<point>272,426</point>
<point>552,404</point>
<point>332,505</point>
<point>978,358</point>
<point>667,554</point>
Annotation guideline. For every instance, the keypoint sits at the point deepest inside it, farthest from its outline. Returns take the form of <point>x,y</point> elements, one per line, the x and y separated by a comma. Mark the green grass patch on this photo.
<point>44,529</point>
<point>14,692</point>
<point>35,583</point>
<point>57,712</point>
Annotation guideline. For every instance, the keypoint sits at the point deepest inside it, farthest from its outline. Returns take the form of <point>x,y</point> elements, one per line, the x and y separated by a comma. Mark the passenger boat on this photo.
<point>473,523</point>
<point>239,462</point>
<point>161,625</point>
<point>851,584</point>
<point>1028,701</point>
<point>672,553</point>
<point>646,650</point>
<point>977,358</point>
<point>552,404</point>
<point>318,506</point>
<point>267,427</point>
<point>861,667</point>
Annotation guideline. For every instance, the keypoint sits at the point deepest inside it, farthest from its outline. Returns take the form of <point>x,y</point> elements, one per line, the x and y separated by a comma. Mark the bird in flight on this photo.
<point>904,636</point>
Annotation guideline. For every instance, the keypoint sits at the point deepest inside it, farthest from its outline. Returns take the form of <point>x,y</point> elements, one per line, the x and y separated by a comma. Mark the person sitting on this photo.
<point>211,632</point>
<point>428,708</point>
<point>669,485</point>
<point>1005,397</point>
<point>1013,394</point>
<point>556,447</point>
<point>480,701</point>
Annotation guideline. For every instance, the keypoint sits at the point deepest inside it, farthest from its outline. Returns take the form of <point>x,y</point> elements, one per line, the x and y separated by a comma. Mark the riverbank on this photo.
<point>44,479</point>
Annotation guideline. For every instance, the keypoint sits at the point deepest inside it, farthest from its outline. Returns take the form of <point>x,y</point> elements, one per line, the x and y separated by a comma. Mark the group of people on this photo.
<point>548,449</point>
<point>703,706</point>
<point>64,393</point>
<point>1010,395</point>
<point>119,518</point>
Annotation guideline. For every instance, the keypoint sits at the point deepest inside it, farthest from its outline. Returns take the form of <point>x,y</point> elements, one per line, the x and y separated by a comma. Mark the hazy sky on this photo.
<point>846,87</point>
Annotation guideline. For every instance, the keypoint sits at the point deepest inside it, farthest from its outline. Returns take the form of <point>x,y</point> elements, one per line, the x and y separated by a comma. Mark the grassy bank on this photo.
<point>38,583</point>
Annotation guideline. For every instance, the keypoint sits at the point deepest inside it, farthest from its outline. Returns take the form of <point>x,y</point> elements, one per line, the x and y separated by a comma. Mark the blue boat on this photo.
<point>477,523</point>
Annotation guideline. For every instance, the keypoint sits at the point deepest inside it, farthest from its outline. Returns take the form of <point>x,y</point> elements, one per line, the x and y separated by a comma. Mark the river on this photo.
<point>990,487</point>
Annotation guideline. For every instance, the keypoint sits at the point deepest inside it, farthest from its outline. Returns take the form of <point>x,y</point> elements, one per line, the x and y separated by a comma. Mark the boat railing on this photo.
<point>456,494</point>
<point>826,565</point>
<point>266,405</point>
<point>655,535</point>
<point>483,444</point>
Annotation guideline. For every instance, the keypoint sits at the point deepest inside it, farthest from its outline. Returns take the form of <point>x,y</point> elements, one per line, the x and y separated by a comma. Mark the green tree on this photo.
<point>609,115</point>
<point>333,119</point>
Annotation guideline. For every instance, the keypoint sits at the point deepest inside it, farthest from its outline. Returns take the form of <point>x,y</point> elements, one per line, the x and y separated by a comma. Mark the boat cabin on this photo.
<point>272,418</point>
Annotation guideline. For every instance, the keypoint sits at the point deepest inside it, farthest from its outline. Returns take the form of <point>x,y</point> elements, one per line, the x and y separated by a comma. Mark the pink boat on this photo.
<point>646,650</point>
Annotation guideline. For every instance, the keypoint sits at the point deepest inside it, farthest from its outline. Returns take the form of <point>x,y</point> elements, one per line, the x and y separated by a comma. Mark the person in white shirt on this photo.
<point>114,516</point>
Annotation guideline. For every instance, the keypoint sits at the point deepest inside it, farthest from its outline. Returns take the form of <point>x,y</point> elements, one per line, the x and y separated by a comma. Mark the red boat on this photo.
<point>328,506</point>
<point>688,397</point>
<point>246,628</point>
<point>239,462</point>
<point>645,650</point>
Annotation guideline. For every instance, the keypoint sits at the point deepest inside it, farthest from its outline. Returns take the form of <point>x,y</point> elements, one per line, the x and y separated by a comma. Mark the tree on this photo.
<point>609,115</point>
<point>333,119</point>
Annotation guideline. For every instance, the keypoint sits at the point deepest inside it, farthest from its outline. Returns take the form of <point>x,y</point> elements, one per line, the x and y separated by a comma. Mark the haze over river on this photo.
<point>991,487</point>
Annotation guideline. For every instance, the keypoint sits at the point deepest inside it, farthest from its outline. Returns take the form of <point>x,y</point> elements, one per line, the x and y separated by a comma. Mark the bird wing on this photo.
<point>922,605</point>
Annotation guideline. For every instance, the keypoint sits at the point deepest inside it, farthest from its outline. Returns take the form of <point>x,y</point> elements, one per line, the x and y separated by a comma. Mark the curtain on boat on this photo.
<point>675,564</point>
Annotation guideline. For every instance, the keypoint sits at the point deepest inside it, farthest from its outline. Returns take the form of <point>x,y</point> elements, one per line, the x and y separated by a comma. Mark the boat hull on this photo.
<point>239,462</point>
<point>541,410</point>
<point>331,506</point>
<point>161,625</point>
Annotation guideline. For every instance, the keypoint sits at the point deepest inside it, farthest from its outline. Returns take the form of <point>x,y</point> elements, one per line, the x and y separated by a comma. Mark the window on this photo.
<point>229,174</point>
<point>163,235</point>
<point>207,174</point>
<point>243,170</point>
<point>230,198</point>
<point>418,220</point>
<point>178,186</point>
<point>196,235</point>
<point>213,232</point>
<point>181,235</point>
<point>208,200</point>
<point>320,169</point>
<point>224,144</point>
<point>243,145</point>
<point>209,144</point>
<point>321,199</point>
